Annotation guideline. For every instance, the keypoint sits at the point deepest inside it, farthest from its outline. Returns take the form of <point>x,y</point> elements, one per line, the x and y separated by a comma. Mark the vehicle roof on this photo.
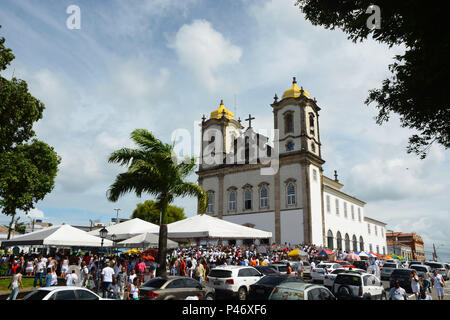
<point>60,287</point>
<point>301,286</point>
<point>231,267</point>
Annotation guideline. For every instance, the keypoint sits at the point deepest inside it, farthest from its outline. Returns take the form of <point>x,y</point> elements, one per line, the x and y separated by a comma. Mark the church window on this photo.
<point>263,197</point>
<point>361,244</point>
<point>345,209</point>
<point>355,244</point>
<point>376,231</point>
<point>328,204</point>
<point>359,214</point>
<point>368,227</point>
<point>339,241</point>
<point>288,123</point>
<point>291,193</point>
<point>384,250</point>
<point>378,249</point>
<point>370,247</point>
<point>314,174</point>
<point>381,229</point>
<point>311,123</point>
<point>210,208</point>
<point>313,147</point>
<point>248,199</point>
<point>337,206</point>
<point>353,212</point>
<point>232,201</point>
<point>347,243</point>
<point>330,239</point>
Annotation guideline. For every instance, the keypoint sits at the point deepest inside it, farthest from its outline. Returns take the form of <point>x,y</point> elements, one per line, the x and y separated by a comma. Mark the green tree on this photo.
<point>417,89</point>
<point>151,170</point>
<point>27,168</point>
<point>150,212</point>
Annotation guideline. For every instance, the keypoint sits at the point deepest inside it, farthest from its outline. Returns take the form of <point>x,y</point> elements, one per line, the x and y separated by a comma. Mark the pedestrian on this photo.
<point>16,281</point>
<point>133,290</point>
<point>29,267</point>
<point>107,279</point>
<point>122,282</point>
<point>439,284</point>
<point>64,267</point>
<point>71,279</point>
<point>300,268</point>
<point>39,270</point>
<point>198,272</point>
<point>48,278</point>
<point>415,283</point>
<point>84,271</point>
<point>423,295</point>
<point>54,281</point>
<point>288,269</point>
<point>397,292</point>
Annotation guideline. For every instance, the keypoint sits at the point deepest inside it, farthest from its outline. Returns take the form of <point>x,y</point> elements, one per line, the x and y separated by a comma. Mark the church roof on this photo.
<point>219,112</point>
<point>295,91</point>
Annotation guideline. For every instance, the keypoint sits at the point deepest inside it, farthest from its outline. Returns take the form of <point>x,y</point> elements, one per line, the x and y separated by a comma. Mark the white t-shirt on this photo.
<point>107,273</point>
<point>300,266</point>
<point>437,281</point>
<point>71,278</point>
<point>40,267</point>
<point>131,278</point>
<point>397,294</point>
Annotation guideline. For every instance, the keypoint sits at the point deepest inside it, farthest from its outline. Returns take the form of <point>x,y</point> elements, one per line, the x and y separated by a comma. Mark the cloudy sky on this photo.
<point>162,64</point>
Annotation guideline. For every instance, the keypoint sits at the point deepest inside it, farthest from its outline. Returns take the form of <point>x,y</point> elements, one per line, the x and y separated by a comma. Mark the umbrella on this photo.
<point>374,254</point>
<point>352,257</point>
<point>362,254</point>
<point>148,258</point>
<point>132,251</point>
<point>297,252</point>
<point>323,253</point>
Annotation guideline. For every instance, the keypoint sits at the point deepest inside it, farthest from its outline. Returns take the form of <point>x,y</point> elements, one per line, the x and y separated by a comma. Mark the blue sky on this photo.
<point>162,64</point>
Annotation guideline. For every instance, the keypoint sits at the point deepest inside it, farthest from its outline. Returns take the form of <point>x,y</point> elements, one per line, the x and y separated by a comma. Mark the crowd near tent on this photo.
<point>145,240</point>
<point>128,229</point>
<point>205,227</point>
<point>57,236</point>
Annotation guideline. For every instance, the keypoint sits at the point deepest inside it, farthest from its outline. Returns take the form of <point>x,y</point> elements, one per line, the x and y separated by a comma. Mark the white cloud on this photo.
<point>36,214</point>
<point>205,52</point>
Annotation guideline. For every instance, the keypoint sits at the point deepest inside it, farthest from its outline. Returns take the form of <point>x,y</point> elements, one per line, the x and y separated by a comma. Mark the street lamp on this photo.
<point>113,238</point>
<point>103,234</point>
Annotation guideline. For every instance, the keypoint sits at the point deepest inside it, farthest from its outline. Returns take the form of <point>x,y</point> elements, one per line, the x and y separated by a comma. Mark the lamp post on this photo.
<point>113,238</point>
<point>103,234</point>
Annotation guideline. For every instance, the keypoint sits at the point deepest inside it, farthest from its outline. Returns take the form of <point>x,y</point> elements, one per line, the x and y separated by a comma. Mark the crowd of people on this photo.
<point>120,276</point>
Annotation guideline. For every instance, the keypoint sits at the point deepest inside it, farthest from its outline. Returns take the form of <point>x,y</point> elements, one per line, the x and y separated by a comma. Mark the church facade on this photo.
<point>295,202</point>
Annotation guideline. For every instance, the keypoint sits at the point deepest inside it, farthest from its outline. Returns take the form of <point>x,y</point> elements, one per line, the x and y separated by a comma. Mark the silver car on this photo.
<point>440,267</point>
<point>422,270</point>
<point>387,268</point>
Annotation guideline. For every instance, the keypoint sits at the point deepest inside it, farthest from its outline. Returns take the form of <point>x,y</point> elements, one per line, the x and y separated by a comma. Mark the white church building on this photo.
<point>295,202</point>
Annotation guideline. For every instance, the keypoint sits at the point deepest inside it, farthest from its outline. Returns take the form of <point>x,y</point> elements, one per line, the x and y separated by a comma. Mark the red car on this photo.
<point>346,264</point>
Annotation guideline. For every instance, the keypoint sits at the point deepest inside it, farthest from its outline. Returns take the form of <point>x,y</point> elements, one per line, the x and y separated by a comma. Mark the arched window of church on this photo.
<point>263,197</point>
<point>361,244</point>
<point>347,242</point>
<point>313,147</point>
<point>378,249</point>
<point>339,241</point>
<point>370,247</point>
<point>288,123</point>
<point>330,239</point>
<point>355,244</point>
<point>210,208</point>
<point>291,193</point>
<point>232,201</point>
<point>248,199</point>
<point>311,123</point>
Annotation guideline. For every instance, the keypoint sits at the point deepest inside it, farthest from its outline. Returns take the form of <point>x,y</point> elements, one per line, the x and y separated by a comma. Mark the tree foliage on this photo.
<point>149,211</point>
<point>417,89</point>
<point>27,167</point>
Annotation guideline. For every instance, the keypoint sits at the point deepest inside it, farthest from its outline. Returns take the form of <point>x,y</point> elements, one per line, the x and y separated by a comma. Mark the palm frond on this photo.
<point>192,189</point>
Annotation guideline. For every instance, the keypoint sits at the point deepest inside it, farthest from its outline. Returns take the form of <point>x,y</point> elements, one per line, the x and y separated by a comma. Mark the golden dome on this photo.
<point>295,91</point>
<point>219,112</point>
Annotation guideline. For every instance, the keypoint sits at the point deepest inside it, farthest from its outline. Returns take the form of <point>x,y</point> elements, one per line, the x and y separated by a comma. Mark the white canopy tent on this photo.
<point>145,240</point>
<point>128,229</point>
<point>58,236</point>
<point>205,227</point>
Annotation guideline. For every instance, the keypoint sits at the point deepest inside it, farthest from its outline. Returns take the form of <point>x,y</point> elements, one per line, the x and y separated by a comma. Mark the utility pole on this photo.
<point>117,215</point>
<point>434,253</point>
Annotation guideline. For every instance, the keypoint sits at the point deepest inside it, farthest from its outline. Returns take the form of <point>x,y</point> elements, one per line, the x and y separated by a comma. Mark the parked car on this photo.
<point>174,288</point>
<point>306,269</point>
<point>415,262</point>
<point>262,289</point>
<point>266,270</point>
<point>300,291</point>
<point>422,270</point>
<point>355,286</point>
<point>387,268</point>
<point>317,273</point>
<point>361,264</point>
<point>280,267</point>
<point>440,267</point>
<point>346,264</point>
<point>233,281</point>
<point>402,275</point>
<point>62,293</point>
<point>328,279</point>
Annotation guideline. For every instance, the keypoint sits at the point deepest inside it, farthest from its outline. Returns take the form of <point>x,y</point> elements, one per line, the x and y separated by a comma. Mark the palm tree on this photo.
<point>151,170</point>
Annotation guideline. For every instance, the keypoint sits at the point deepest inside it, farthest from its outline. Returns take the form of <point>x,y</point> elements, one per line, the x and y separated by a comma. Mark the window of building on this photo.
<point>359,214</point>
<point>355,243</point>
<point>368,228</point>
<point>337,206</point>
<point>248,199</point>
<point>313,147</point>
<point>370,247</point>
<point>290,145</point>
<point>378,250</point>
<point>314,174</point>
<point>353,212</point>
<point>263,197</point>
<point>361,244</point>
<point>232,201</point>
<point>330,239</point>
<point>345,209</point>
<point>339,241</point>
<point>210,208</point>
<point>382,233</point>
<point>384,250</point>
<point>376,231</point>
<point>328,204</point>
<point>347,242</point>
<point>291,193</point>
<point>311,123</point>
<point>289,122</point>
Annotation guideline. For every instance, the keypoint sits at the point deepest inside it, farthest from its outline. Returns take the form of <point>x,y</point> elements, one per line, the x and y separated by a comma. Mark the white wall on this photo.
<point>316,205</point>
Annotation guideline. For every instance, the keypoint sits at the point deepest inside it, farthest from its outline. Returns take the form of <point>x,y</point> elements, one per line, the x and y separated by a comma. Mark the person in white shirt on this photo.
<point>71,279</point>
<point>300,269</point>
<point>397,292</point>
<point>439,284</point>
<point>107,279</point>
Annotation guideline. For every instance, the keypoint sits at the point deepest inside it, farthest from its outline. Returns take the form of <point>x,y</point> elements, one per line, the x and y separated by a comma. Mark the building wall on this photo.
<point>376,237</point>
<point>316,205</point>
